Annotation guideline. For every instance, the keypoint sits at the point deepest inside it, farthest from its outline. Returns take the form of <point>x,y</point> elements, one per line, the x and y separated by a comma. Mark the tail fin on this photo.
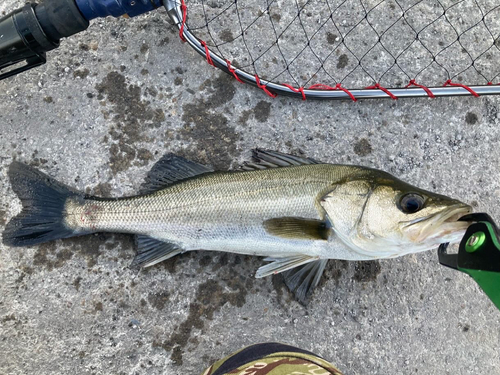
<point>43,199</point>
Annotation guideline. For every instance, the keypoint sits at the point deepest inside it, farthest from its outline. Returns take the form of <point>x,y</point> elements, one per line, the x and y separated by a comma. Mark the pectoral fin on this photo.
<point>278,265</point>
<point>303,280</point>
<point>297,228</point>
<point>151,251</point>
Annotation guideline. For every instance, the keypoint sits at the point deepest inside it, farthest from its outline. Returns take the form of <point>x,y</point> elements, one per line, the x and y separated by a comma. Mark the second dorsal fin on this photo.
<point>264,159</point>
<point>169,169</point>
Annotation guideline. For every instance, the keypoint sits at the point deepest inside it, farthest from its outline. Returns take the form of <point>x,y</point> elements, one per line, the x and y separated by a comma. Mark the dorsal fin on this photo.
<point>169,169</point>
<point>264,159</point>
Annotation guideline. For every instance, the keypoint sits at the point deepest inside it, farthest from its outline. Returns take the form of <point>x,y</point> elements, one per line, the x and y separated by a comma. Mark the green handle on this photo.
<point>489,283</point>
<point>479,257</point>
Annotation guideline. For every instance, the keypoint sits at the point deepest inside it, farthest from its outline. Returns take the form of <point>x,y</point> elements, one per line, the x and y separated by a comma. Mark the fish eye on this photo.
<point>411,203</point>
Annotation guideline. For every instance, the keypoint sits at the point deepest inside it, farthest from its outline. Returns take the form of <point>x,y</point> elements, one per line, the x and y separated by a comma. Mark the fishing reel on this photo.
<point>478,255</point>
<point>29,32</point>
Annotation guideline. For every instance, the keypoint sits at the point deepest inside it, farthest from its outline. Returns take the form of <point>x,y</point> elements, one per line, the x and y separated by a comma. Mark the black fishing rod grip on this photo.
<point>27,33</point>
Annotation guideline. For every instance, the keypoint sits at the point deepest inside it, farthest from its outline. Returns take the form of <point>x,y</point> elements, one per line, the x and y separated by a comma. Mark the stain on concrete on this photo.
<point>8,318</point>
<point>102,189</point>
<point>205,260</point>
<point>221,262</point>
<point>226,35</point>
<point>89,247</point>
<point>81,73</point>
<point>130,115</point>
<point>49,257</point>
<point>76,283</point>
<point>98,306</point>
<point>164,41</point>
<point>221,90</point>
<point>281,289</point>
<point>144,48</point>
<point>245,115</point>
<point>48,99</point>
<point>36,161</point>
<point>215,139</point>
<point>176,356</point>
<point>212,140</point>
<point>262,111</point>
<point>24,271</point>
<point>491,110</point>
<point>151,91</point>
<point>334,270</point>
<point>363,147</point>
<point>471,118</point>
<point>210,297</point>
<point>343,61</point>
<point>158,300</point>
<point>331,38</point>
<point>2,217</point>
<point>366,271</point>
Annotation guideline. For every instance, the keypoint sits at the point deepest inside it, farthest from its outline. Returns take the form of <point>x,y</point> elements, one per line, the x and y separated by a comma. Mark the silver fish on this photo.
<point>293,210</point>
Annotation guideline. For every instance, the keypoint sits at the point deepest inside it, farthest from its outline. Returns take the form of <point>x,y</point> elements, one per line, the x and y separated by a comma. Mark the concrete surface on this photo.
<point>114,99</point>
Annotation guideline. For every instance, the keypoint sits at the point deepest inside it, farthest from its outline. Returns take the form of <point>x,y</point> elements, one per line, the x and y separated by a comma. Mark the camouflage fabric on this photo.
<point>272,359</point>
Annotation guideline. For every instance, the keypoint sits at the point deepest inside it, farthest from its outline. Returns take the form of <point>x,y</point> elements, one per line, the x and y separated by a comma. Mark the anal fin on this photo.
<point>303,280</point>
<point>151,251</point>
<point>278,265</point>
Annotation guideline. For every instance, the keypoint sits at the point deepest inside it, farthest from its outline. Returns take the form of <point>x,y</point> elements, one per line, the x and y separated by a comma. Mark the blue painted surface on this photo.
<point>103,8</point>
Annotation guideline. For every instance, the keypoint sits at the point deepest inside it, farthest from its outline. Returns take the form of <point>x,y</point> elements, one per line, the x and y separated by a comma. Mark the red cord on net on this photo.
<point>263,87</point>
<point>232,71</point>
<point>377,86</point>
<point>426,89</point>
<point>183,22</point>
<point>207,52</point>
<point>338,86</point>
<point>449,83</point>
<point>300,89</point>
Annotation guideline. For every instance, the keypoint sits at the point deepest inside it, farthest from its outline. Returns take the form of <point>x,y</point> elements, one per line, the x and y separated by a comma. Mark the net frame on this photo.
<point>177,11</point>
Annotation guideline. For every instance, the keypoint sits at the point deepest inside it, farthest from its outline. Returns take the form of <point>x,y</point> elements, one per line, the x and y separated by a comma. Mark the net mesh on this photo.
<point>355,43</point>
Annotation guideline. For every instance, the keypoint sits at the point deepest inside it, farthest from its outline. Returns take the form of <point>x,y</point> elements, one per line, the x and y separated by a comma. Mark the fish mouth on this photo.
<point>441,227</point>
